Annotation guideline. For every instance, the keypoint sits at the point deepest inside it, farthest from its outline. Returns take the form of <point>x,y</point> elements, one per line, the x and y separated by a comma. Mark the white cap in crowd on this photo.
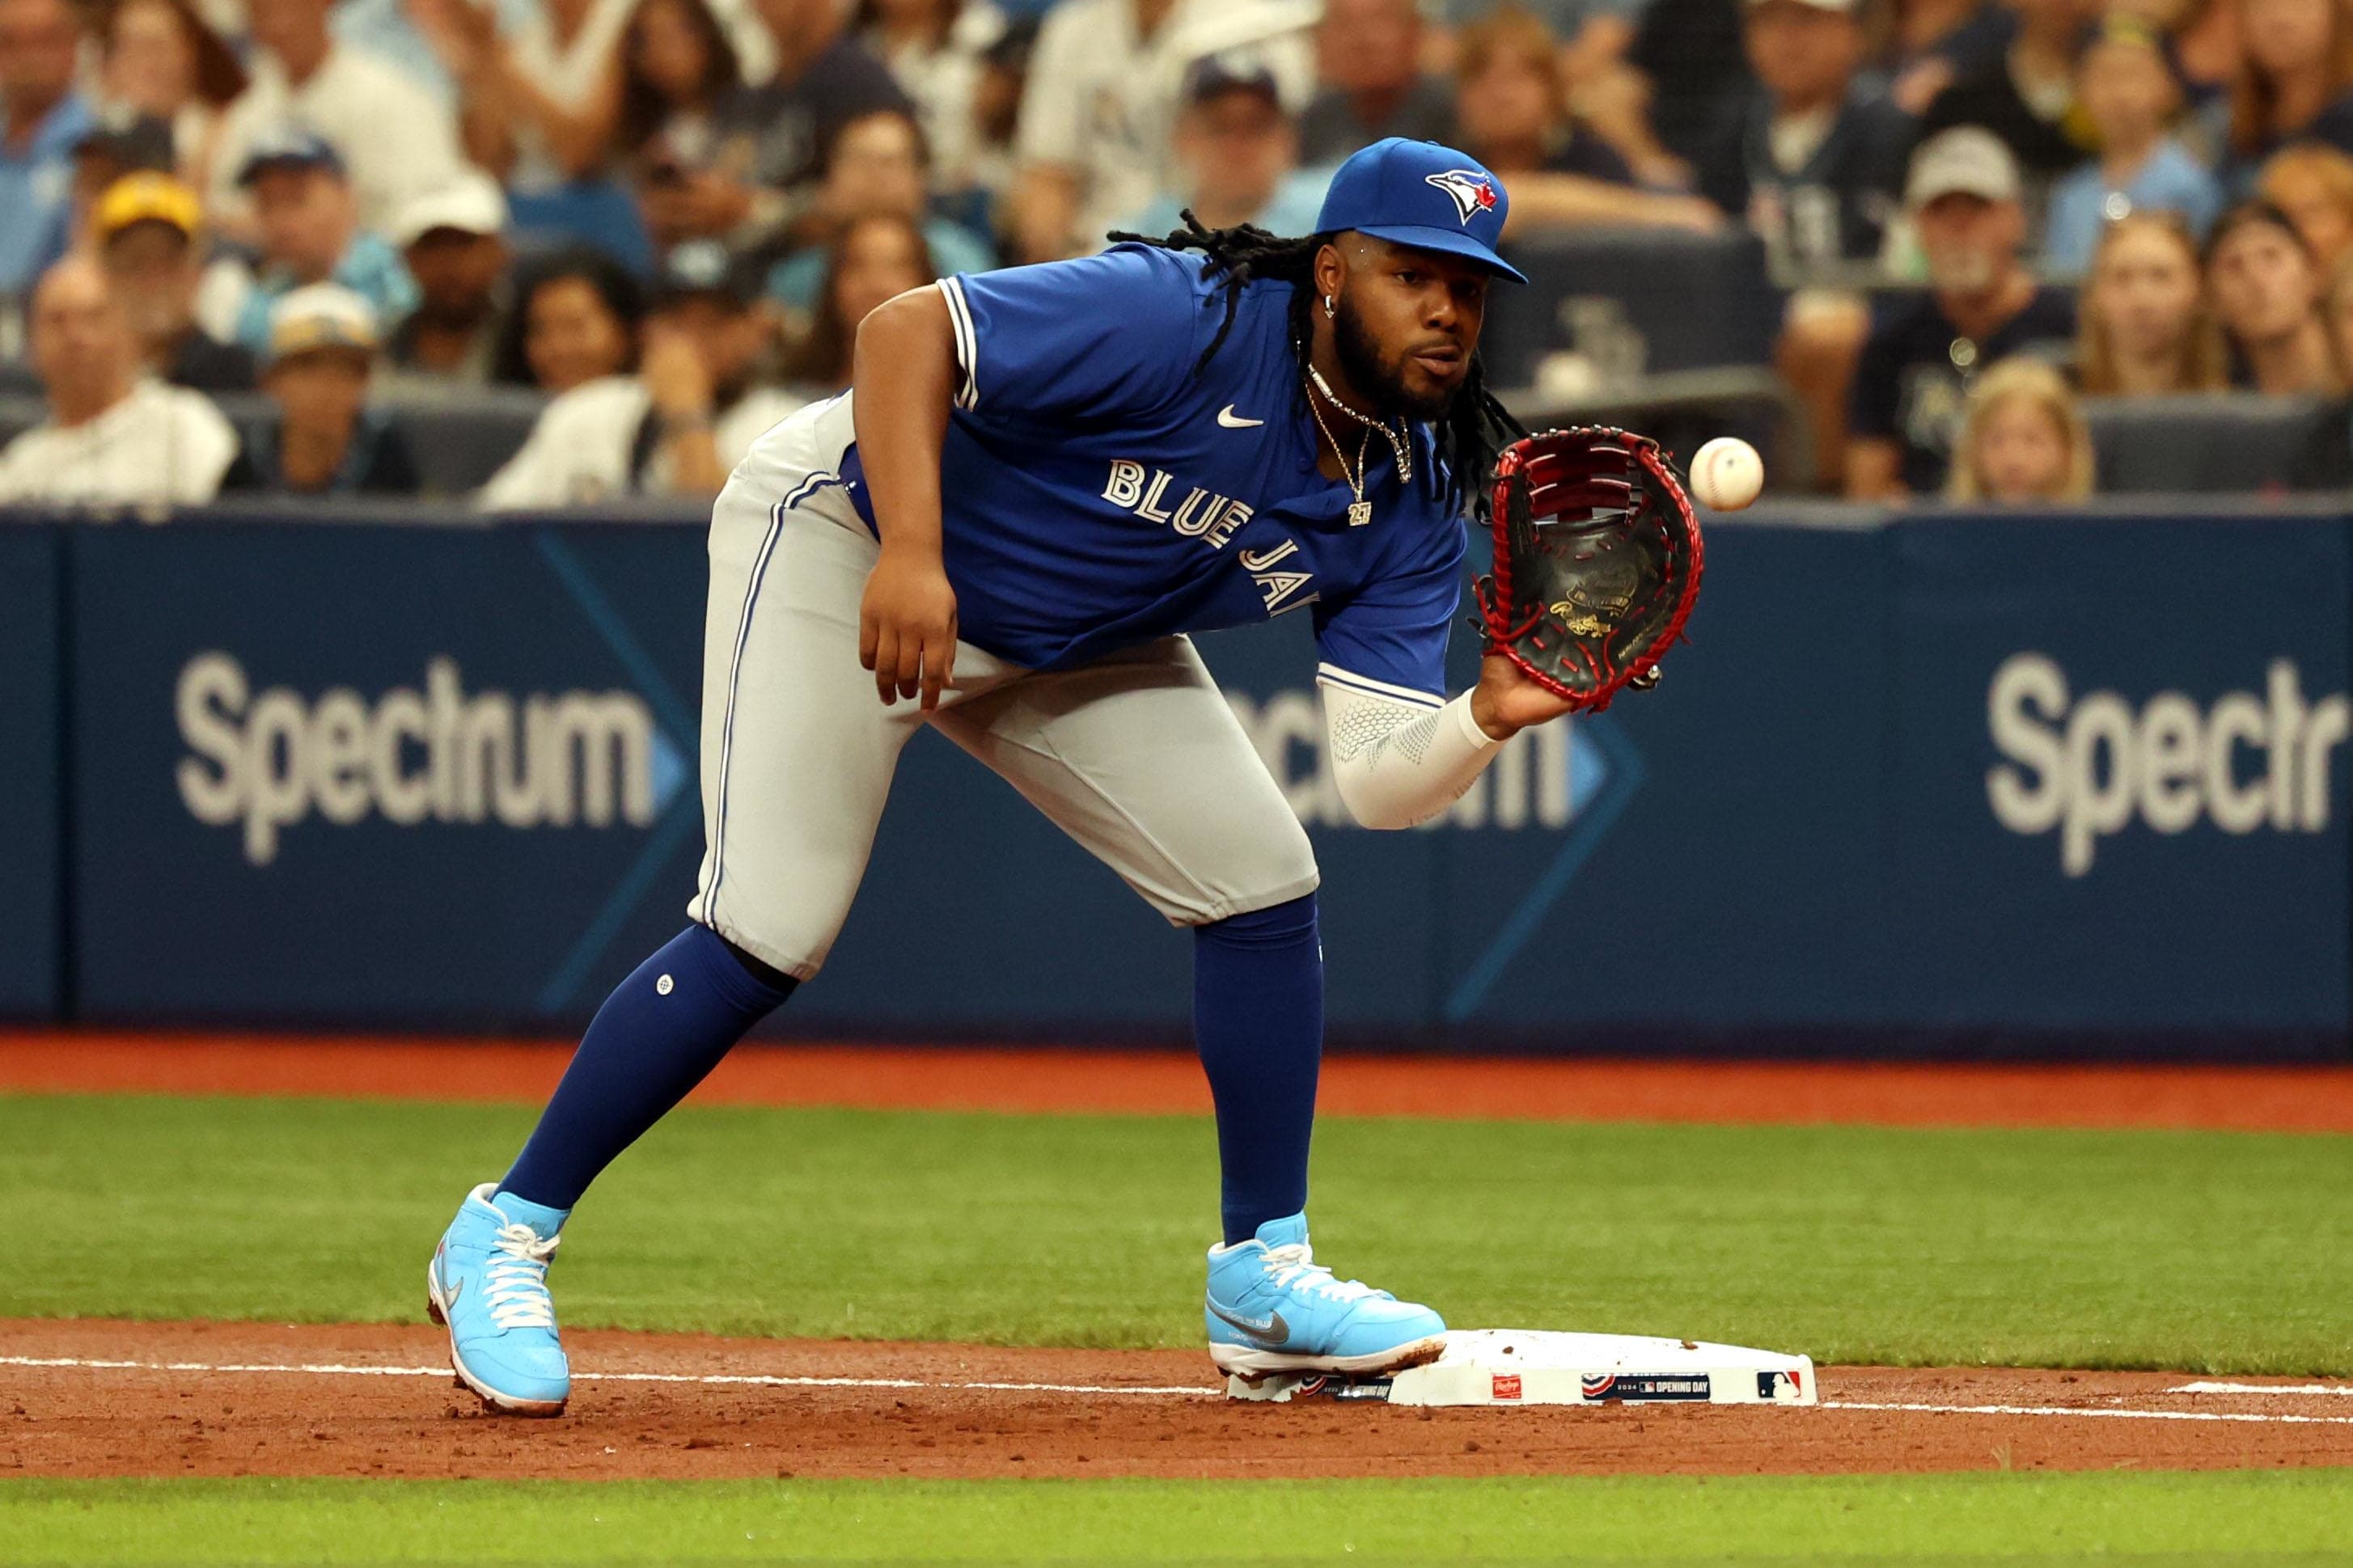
<point>1968,160</point>
<point>471,204</point>
<point>320,316</point>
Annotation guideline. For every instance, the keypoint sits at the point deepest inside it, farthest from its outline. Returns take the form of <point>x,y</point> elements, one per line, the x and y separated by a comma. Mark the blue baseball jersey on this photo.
<point>1102,488</point>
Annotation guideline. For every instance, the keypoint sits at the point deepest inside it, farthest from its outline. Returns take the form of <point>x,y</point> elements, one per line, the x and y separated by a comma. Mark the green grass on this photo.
<point>2205,1517</point>
<point>2219,1252</point>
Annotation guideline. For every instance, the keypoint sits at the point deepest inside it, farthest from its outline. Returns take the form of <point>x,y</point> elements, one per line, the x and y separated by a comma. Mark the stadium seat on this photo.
<point>18,413</point>
<point>464,436</point>
<point>2212,442</point>
<point>1634,303</point>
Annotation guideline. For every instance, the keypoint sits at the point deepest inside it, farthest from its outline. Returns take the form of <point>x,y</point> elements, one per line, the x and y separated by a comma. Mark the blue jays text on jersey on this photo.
<point>1102,486</point>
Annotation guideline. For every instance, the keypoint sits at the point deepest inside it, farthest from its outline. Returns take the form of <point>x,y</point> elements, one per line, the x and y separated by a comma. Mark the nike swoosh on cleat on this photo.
<point>1233,421</point>
<point>1274,1331</point>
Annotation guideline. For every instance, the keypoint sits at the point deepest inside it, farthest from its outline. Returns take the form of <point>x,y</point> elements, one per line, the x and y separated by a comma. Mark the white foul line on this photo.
<point>2106,1414</point>
<point>757,1380</point>
<point>332,1368</point>
<point>2341,1390</point>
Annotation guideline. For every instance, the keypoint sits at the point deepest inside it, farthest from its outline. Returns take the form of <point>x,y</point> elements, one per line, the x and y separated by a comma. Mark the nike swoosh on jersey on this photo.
<point>1274,1331</point>
<point>1233,421</point>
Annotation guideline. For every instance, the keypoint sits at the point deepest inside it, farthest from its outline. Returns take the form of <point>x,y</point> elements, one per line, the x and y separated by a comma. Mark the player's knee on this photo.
<point>1276,925</point>
<point>768,975</point>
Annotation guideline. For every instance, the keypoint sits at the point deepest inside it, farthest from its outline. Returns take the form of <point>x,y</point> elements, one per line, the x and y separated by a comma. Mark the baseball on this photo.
<point>1726,474</point>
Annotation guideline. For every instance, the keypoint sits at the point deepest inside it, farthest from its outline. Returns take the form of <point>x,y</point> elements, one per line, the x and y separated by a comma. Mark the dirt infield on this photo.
<point>98,1398</point>
<point>2286,1100</point>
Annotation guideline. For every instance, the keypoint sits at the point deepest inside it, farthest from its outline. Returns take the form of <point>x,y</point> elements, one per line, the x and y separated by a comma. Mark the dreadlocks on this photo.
<point>1466,437</point>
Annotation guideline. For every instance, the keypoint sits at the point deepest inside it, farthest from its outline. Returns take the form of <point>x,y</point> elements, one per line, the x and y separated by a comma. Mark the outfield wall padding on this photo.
<point>31,792</point>
<point>1950,783</point>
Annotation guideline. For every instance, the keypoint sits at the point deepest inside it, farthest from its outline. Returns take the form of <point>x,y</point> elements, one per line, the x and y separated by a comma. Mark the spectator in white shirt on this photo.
<point>676,428</point>
<point>1094,144</point>
<point>539,103</point>
<point>396,138</point>
<point>113,438</point>
<point>937,50</point>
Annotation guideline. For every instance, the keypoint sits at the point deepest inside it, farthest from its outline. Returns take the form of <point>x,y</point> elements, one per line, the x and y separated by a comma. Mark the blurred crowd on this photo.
<point>667,217</point>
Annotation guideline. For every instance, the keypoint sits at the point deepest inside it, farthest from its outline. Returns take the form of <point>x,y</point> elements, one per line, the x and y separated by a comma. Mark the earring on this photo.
<point>1327,306</point>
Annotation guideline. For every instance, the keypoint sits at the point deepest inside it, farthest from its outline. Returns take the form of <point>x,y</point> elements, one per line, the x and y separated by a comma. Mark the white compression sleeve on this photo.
<point>1398,756</point>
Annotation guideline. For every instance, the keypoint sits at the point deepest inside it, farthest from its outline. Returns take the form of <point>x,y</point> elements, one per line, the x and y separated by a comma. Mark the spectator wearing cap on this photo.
<point>114,437</point>
<point>1512,108</point>
<point>1370,83</point>
<point>2130,95</point>
<point>1812,161</point>
<point>762,165</point>
<point>161,59</point>
<point>326,439</point>
<point>680,422</point>
<point>42,117</point>
<point>454,243</point>
<point>875,163</point>
<point>1094,143</point>
<point>400,140</point>
<point>148,230</point>
<point>306,217</point>
<point>2267,288</point>
<point>117,143</point>
<point>2026,96</point>
<point>1237,155</point>
<point>1981,305</point>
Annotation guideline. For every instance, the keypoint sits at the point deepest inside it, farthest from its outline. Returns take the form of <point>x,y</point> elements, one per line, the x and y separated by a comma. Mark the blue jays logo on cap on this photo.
<point>1473,190</point>
<point>1423,194</point>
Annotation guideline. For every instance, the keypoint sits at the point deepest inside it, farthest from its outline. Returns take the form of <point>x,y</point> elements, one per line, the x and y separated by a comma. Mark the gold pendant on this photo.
<point>1360,512</point>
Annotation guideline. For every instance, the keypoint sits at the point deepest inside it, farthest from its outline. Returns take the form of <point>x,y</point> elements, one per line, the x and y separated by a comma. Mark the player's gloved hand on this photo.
<point>907,627</point>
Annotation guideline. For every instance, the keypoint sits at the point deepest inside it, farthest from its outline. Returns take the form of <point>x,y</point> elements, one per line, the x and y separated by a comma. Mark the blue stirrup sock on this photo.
<point>656,1036</point>
<point>1258,1018</point>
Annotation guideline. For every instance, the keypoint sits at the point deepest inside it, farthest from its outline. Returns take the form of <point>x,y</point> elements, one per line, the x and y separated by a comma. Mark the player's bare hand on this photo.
<point>1505,701</point>
<point>907,628</point>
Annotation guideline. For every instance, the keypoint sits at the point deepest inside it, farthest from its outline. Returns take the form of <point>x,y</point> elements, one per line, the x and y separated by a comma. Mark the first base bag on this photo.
<point>1598,560</point>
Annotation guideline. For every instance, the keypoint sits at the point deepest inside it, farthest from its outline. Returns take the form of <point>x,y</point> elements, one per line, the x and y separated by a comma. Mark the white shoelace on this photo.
<point>515,1283</point>
<point>1294,1267</point>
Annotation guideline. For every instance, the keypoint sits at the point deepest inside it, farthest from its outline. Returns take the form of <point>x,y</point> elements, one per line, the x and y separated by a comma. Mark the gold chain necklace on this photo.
<point>1360,510</point>
<point>1401,448</point>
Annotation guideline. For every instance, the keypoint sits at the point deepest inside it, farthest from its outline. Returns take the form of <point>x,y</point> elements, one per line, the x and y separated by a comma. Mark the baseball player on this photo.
<point>1039,483</point>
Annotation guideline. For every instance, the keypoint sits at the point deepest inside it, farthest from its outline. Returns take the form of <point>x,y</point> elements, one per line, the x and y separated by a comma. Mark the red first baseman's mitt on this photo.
<point>1596,562</point>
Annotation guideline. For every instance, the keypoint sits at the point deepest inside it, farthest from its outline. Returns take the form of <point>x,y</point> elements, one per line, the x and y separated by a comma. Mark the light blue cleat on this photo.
<point>488,1282</point>
<point>1272,1307</point>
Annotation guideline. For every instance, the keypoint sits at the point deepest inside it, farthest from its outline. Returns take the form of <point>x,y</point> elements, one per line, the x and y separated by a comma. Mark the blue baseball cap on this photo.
<point>289,147</point>
<point>1423,194</point>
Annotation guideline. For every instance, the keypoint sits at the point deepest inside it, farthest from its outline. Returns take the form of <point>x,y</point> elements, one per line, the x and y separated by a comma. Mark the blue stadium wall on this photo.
<point>1949,784</point>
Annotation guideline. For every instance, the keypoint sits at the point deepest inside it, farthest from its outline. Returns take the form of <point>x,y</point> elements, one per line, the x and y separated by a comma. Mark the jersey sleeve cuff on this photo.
<point>967,343</point>
<point>1347,681</point>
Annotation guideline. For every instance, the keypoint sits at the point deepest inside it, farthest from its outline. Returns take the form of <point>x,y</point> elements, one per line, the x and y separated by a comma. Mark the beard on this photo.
<point>1380,378</point>
<point>1963,270</point>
